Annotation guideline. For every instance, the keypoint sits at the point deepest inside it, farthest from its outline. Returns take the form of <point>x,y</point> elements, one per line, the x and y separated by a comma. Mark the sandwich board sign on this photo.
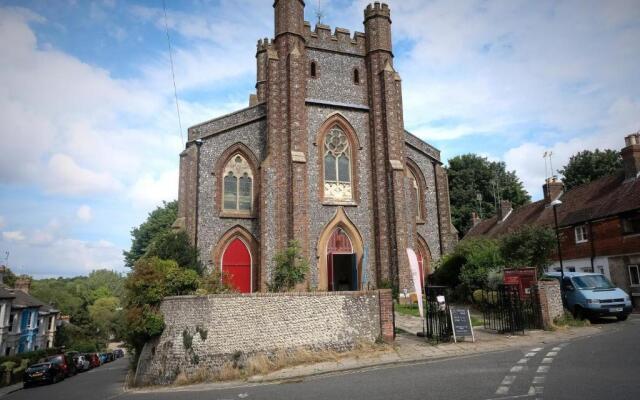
<point>461,324</point>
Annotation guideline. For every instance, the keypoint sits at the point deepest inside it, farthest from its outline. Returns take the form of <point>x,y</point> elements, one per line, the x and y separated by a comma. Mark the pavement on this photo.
<point>408,348</point>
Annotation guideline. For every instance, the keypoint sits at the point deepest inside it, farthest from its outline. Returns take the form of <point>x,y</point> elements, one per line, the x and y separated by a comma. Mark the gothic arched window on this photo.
<point>416,189</point>
<point>418,186</point>
<point>237,185</point>
<point>337,166</point>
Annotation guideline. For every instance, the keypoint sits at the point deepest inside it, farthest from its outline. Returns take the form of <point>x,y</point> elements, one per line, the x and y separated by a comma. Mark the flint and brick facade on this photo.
<point>308,83</point>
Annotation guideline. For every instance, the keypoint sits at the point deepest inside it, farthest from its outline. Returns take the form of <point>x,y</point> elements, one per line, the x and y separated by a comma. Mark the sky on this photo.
<point>90,136</point>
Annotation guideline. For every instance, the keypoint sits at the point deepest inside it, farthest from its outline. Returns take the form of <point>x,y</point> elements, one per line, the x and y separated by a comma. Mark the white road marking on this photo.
<point>557,348</point>
<point>538,379</point>
<point>523,361</point>
<point>543,369</point>
<point>532,354</point>
<point>547,360</point>
<point>536,349</point>
<point>502,390</point>
<point>508,380</point>
<point>552,354</point>
<point>517,368</point>
<point>532,391</point>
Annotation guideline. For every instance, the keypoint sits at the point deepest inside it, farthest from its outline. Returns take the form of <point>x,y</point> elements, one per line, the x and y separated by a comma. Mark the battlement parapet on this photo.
<point>377,9</point>
<point>264,45</point>
<point>339,41</point>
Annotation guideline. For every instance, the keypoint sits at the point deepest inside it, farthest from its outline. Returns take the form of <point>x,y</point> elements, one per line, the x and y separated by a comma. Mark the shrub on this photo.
<point>530,246</point>
<point>291,268</point>
<point>172,245</point>
<point>214,283</point>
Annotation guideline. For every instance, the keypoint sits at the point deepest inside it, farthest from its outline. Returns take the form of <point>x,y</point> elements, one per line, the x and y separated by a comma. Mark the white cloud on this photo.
<point>84,213</point>
<point>149,191</point>
<point>65,176</point>
<point>13,236</point>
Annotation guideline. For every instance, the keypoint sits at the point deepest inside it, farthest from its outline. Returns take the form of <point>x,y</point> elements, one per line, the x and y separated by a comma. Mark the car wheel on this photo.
<point>622,317</point>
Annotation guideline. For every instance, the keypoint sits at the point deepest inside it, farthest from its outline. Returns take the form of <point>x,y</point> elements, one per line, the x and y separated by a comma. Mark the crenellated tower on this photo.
<point>387,147</point>
<point>282,86</point>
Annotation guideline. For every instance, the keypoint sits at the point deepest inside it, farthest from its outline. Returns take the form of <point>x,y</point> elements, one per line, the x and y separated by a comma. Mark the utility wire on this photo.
<point>173,74</point>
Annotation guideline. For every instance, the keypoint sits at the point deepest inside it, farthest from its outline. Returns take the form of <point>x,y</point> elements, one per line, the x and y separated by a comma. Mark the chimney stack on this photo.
<point>552,189</point>
<point>504,210</point>
<point>475,220</point>
<point>23,283</point>
<point>631,156</point>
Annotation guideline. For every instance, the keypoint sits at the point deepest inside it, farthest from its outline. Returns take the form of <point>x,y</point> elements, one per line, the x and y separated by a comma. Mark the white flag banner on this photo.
<point>415,274</point>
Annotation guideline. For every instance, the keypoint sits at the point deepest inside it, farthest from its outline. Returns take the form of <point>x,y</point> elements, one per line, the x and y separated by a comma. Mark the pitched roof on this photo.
<point>25,300</point>
<point>5,293</point>
<point>604,197</point>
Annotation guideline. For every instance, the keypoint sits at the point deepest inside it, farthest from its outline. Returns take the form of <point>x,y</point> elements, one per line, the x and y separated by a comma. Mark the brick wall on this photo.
<point>207,331</point>
<point>550,301</point>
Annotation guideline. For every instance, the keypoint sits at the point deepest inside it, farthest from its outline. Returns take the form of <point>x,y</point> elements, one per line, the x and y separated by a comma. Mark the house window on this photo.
<point>634,275</point>
<point>631,224</point>
<point>312,69</point>
<point>12,317</point>
<point>337,166</point>
<point>50,323</point>
<point>237,185</point>
<point>571,269</point>
<point>601,270</point>
<point>356,76</point>
<point>581,234</point>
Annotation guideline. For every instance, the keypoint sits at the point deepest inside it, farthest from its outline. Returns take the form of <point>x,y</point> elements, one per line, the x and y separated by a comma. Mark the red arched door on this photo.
<point>342,273</point>
<point>236,266</point>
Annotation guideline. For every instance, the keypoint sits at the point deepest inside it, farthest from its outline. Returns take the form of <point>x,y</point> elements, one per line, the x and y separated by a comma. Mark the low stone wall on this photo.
<point>550,302</point>
<point>207,331</point>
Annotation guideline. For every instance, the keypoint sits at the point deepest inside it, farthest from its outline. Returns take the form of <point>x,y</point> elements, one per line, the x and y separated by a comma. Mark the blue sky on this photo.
<point>90,137</point>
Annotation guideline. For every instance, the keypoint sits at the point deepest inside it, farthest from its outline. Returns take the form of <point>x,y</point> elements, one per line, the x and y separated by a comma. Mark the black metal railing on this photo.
<point>506,310</point>
<point>437,321</point>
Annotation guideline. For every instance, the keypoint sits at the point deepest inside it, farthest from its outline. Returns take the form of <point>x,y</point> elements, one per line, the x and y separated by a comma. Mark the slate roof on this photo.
<point>25,300</point>
<point>6,294</point>
<point>604,197</point>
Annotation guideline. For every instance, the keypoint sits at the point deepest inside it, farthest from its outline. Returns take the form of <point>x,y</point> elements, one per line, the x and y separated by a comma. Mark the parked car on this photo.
<point>590,295</point>
<point>103,358</point>
<point>118,353</point>
<point>64,362</point>
<point>110,357</point>
<point>82,363</point>
<point>46,372</point>
<point>94,359</point>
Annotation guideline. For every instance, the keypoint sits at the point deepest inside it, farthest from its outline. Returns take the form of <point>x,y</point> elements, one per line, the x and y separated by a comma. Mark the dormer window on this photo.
<point>312,69</point>
<point>582,235</point>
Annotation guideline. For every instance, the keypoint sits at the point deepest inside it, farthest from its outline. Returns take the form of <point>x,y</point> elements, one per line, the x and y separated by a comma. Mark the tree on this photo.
<point>291,268</point>
<point>470,175</point>
<point>530,246</point>
<point>158,222</point>
<point>469,264</point>
<point>107,316</point>
<point>175,246</point>
<point>587,166</point>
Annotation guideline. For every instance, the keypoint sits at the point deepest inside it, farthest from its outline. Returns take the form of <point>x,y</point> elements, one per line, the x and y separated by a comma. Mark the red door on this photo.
<point>236,266</point>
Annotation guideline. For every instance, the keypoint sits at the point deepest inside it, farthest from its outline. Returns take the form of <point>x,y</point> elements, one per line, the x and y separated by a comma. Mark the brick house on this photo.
<point>599,223</point>
<point>320,156</point>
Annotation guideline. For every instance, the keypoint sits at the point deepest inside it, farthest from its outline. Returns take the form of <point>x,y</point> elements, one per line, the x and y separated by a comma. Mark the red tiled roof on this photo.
<point>607,196</point>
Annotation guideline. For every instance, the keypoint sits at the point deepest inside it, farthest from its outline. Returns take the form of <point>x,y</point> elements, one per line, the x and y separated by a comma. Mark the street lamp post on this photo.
<point>555,204</point>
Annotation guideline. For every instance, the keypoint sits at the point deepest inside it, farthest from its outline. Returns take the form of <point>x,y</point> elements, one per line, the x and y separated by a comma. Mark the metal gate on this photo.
<point>438,323</point>
<point>507,310</point>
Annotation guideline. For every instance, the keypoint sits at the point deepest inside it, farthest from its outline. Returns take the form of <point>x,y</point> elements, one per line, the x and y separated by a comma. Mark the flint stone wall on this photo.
<point>207,331</point>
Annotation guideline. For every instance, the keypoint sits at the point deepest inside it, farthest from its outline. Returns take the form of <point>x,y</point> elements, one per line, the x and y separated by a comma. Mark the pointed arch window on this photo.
<point>237,186</point>
<point>416,189</point>
<point>337,163</point>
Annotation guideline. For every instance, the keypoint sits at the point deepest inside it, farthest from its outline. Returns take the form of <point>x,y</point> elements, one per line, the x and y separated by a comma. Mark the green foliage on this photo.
<point>175,246</point>
<point>158,222</point>
<point>291,268</point>
<point>587,166</point>
<point>203,332</point>
<point>73,337</point>
<point>151,280</point>
<point>471,174</point>
<point>107,315</point>
<point>530,246</point>
<point>9,278</point>
<point>187,340</point>
<point>214,283</point>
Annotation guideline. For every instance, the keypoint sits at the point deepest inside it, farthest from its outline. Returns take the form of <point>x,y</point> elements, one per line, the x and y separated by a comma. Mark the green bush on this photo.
<point>530,246</point>
<point>172,245</point>
<point>291,268</point>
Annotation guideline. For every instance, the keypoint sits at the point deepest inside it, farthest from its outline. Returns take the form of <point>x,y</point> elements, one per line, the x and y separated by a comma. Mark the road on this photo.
<point>605,366</point>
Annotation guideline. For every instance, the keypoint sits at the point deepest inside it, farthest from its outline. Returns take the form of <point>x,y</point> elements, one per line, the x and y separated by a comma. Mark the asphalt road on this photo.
<point>605,366</point>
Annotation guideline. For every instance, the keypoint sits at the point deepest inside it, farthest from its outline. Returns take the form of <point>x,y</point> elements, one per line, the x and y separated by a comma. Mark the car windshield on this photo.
<point>592,282</point>
<point>55,360</point>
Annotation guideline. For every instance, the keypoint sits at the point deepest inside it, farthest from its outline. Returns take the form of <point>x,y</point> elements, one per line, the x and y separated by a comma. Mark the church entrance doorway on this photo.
<point>236,266</point>
<point>342,267</point>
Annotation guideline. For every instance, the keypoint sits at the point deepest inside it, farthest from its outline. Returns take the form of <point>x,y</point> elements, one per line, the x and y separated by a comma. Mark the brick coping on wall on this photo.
<point>281,294</point>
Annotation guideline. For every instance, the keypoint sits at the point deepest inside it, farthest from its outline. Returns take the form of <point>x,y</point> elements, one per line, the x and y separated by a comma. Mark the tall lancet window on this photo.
<point>237,185</point>
<point>337,166</point>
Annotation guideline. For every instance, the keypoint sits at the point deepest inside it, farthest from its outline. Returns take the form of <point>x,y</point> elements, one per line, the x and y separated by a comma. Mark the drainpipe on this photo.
<point>593,250</point>
<point>198,143</point>
<point>435,176</point>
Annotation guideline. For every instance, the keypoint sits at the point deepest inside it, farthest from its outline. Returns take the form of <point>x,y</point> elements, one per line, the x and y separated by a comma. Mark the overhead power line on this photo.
<point>173,74</point>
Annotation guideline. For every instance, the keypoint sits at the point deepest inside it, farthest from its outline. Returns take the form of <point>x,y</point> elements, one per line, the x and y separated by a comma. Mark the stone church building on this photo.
<point>320,156</point>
